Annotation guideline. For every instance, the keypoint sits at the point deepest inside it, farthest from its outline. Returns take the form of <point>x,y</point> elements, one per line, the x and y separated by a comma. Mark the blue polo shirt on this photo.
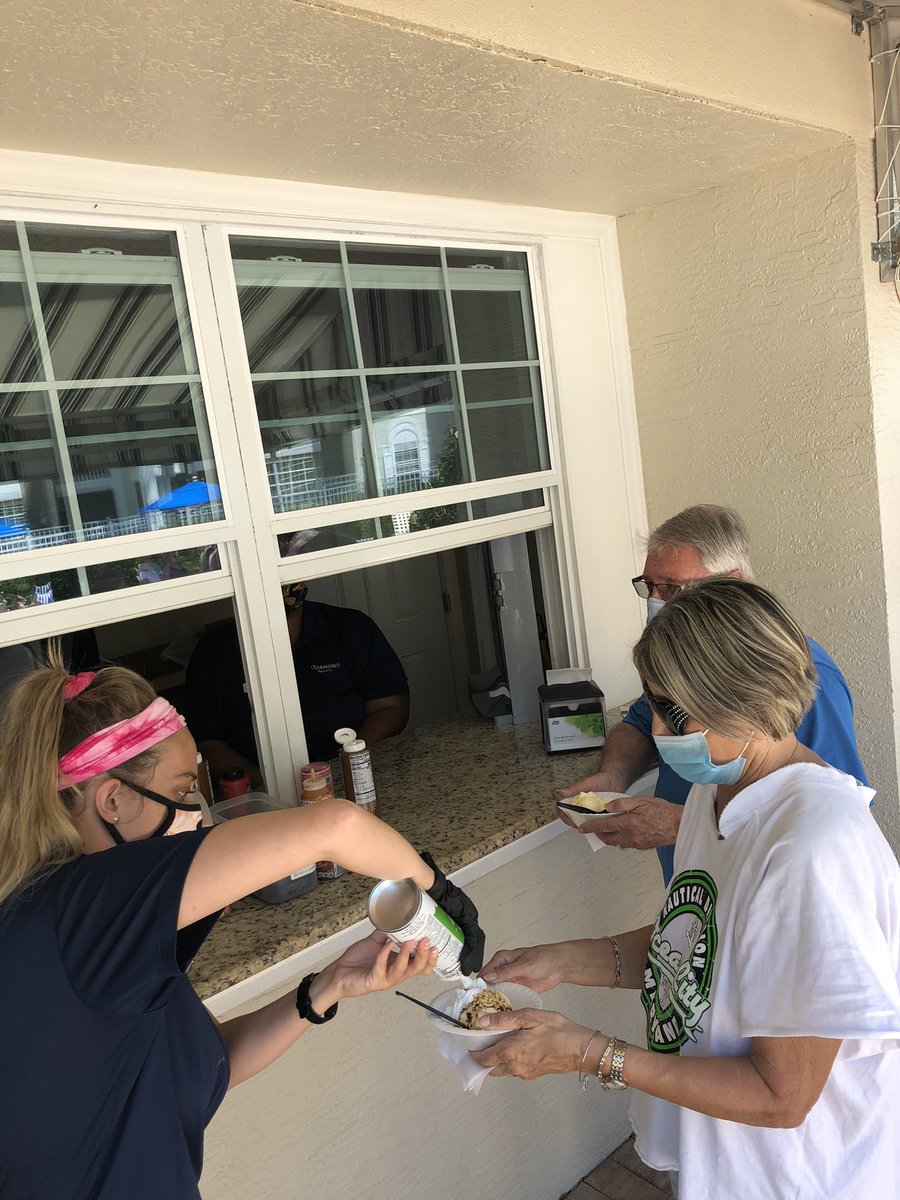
<point>110,1066</point>
<point>827,730</point>
<point>341,660</point>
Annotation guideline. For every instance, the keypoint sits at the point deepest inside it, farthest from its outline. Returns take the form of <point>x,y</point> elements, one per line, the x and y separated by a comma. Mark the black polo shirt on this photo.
<point>341,660</point>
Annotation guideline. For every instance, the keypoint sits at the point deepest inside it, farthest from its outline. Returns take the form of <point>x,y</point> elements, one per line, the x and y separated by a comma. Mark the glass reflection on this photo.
<point>311,540</point>
<point>102,414</point>
<point>356,367</point>
<point>48,587</point>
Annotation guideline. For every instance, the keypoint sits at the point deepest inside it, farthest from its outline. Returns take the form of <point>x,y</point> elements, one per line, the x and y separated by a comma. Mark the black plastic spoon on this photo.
<point>437,1012</point>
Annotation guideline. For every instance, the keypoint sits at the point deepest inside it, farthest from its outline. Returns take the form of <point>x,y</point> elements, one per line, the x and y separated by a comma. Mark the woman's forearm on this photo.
<point>243,855</point>
<point>591,962</point>
<point>256,1039</point>
<point>775,1086</point>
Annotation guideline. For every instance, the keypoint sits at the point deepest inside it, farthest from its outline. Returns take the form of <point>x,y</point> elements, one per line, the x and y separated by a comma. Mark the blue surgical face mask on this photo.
<point>653,607</point>
<point>688,755</point>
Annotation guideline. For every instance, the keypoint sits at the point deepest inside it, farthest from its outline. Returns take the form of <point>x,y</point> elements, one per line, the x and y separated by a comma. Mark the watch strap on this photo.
<point>305,1008</point>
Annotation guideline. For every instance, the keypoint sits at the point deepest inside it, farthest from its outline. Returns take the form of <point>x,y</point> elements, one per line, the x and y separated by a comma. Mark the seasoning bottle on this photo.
<point>204,779</point>
<point>317,786</point>
<point>234,783</point>
<point>356,767</point>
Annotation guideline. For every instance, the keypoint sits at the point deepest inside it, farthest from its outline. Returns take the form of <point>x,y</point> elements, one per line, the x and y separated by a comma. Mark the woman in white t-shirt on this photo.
<point>770,978</point>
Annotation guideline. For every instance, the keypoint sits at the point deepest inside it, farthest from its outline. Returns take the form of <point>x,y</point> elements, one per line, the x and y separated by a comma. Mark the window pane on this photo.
<point>499,260</point>
<point>312,432</point>
<point>490,326</point>
<point>355,411</point>
<point>395,256</point>
<point>114,439</point>
<point>49,586</point>
<point>18,347</point>
<point>310,540</point>
<point>417,422</point>
<point>401,327</point>
<point>295,328</point>
<point>250,249</point>
<point>498,506</point>
<point>111,330</point>
<point>506,421</point>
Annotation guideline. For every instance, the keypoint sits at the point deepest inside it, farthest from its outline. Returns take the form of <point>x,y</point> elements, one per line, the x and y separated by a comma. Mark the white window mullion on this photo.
<point>253,556</point>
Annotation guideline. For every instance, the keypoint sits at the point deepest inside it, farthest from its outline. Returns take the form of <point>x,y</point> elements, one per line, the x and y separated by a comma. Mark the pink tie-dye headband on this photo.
<point>118,743</point>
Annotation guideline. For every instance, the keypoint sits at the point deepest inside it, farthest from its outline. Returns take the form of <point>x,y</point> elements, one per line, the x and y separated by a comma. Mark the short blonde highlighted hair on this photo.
<point>732,656</point>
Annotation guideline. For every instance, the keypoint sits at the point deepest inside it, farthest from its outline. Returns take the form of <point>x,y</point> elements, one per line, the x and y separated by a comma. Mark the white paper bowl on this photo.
<point>577,818</point>
<point>479,1039</point>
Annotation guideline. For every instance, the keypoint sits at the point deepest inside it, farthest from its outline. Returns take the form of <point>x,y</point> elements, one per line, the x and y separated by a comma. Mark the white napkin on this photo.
<point>469,1071</point>
<point>593,841</point>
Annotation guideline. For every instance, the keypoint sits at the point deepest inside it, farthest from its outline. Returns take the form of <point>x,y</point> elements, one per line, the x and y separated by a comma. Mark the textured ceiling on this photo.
<point>277,89</point>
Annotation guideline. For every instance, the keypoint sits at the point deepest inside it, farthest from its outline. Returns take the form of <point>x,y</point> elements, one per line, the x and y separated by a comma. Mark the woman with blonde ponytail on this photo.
<point>111,1065</point>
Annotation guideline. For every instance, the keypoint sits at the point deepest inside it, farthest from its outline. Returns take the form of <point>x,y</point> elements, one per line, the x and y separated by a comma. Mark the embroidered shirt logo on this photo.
<point>321,668</point>
<point>680,962</point>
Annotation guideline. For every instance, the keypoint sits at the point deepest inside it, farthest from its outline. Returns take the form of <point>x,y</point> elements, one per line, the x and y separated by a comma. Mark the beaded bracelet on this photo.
<point>615,946</point>
<point>582,1078</point>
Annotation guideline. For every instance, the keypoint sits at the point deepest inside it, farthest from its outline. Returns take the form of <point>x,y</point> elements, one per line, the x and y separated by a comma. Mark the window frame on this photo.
<point>84,193</point>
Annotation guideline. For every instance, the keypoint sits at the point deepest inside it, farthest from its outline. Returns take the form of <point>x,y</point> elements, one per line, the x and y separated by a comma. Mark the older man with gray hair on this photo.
<point>700,541</point>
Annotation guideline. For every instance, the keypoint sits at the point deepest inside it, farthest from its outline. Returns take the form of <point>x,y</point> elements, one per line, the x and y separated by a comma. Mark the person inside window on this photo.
<point>112,1066</point>
<point>347,675</point>
<point>771,977</point>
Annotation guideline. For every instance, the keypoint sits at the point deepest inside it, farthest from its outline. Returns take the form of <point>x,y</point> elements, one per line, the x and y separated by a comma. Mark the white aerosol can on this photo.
<point>399,908</point>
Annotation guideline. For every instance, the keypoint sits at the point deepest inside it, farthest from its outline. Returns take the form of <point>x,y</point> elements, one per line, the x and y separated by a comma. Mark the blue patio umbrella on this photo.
<point>189,495</point>
<point>8,530</point>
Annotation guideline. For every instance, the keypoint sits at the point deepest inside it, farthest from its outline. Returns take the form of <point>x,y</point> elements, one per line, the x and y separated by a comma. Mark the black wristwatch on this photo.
<point>306,1010</point>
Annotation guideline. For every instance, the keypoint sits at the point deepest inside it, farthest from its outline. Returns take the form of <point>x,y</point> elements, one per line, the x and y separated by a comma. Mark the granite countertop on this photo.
<point>459,788</point>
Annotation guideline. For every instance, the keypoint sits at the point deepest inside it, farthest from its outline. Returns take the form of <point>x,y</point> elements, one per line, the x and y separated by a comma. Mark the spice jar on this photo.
<point>316,785</point>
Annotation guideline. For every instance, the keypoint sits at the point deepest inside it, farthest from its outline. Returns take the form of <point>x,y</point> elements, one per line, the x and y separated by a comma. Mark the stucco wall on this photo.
<point>796,59</point>
<point>365,1107</point>
<point>747,322</point>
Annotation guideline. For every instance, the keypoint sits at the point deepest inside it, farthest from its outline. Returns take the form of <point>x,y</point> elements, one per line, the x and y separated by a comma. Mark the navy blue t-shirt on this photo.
<point>341,660</point>
<point>826,729</point>
<point>110,1066</point>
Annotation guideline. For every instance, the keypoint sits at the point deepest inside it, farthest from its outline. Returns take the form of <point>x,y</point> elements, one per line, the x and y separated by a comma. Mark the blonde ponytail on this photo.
<point>37,829</point>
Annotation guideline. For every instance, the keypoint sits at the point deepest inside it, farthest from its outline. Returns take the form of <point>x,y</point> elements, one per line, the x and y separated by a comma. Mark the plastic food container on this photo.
<point>302,880</point>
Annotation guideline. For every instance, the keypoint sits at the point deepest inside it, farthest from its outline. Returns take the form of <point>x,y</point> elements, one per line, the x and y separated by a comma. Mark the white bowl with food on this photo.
<point>470,1003</point>
<point>595,804</point>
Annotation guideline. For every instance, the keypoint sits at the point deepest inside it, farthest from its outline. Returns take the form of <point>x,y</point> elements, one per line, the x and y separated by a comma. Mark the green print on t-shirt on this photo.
<point>680,962</point>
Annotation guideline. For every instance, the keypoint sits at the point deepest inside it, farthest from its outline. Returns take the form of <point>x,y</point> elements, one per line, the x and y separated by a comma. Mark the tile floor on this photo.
<point>622,1176</point>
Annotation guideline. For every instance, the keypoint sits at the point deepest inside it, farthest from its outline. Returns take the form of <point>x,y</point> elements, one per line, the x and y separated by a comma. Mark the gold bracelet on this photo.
<point>615,1080</point>
<point>615,946</point>
<point>582,1078</point>
<point>603,1060</point>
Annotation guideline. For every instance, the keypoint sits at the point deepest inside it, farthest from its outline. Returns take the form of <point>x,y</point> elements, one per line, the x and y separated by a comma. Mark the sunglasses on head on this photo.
<point>671,714</point>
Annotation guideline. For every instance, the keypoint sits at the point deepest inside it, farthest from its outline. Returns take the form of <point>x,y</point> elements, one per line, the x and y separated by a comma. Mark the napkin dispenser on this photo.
<point>573,711</point>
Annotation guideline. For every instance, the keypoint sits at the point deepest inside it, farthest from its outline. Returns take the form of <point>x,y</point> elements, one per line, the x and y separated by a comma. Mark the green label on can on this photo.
<point>449,923</point>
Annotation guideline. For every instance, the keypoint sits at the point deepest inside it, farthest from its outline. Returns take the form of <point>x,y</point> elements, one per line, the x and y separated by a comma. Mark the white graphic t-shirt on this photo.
<point>782,922</point>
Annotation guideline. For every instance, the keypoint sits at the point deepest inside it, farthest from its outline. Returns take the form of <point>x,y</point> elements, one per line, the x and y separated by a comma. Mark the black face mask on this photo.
<point>173,808</point>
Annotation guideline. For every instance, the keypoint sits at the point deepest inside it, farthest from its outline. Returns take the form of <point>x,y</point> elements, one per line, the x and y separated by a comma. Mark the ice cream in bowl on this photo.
<point>473,999</point>
<point>596,803</point>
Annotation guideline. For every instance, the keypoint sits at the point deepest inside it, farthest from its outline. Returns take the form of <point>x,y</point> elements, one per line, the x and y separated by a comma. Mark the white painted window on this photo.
<point>184,388</point>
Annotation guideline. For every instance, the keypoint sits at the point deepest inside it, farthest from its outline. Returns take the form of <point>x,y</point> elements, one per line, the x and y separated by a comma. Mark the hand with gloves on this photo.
<point>457,905</point>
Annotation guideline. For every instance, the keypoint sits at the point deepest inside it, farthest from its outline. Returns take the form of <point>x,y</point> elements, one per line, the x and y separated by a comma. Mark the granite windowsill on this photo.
<point>460,788</point>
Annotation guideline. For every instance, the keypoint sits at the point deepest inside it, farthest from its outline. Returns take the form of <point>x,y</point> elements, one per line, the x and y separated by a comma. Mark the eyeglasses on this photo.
<point>671,714</point>
<point>666,591</point>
